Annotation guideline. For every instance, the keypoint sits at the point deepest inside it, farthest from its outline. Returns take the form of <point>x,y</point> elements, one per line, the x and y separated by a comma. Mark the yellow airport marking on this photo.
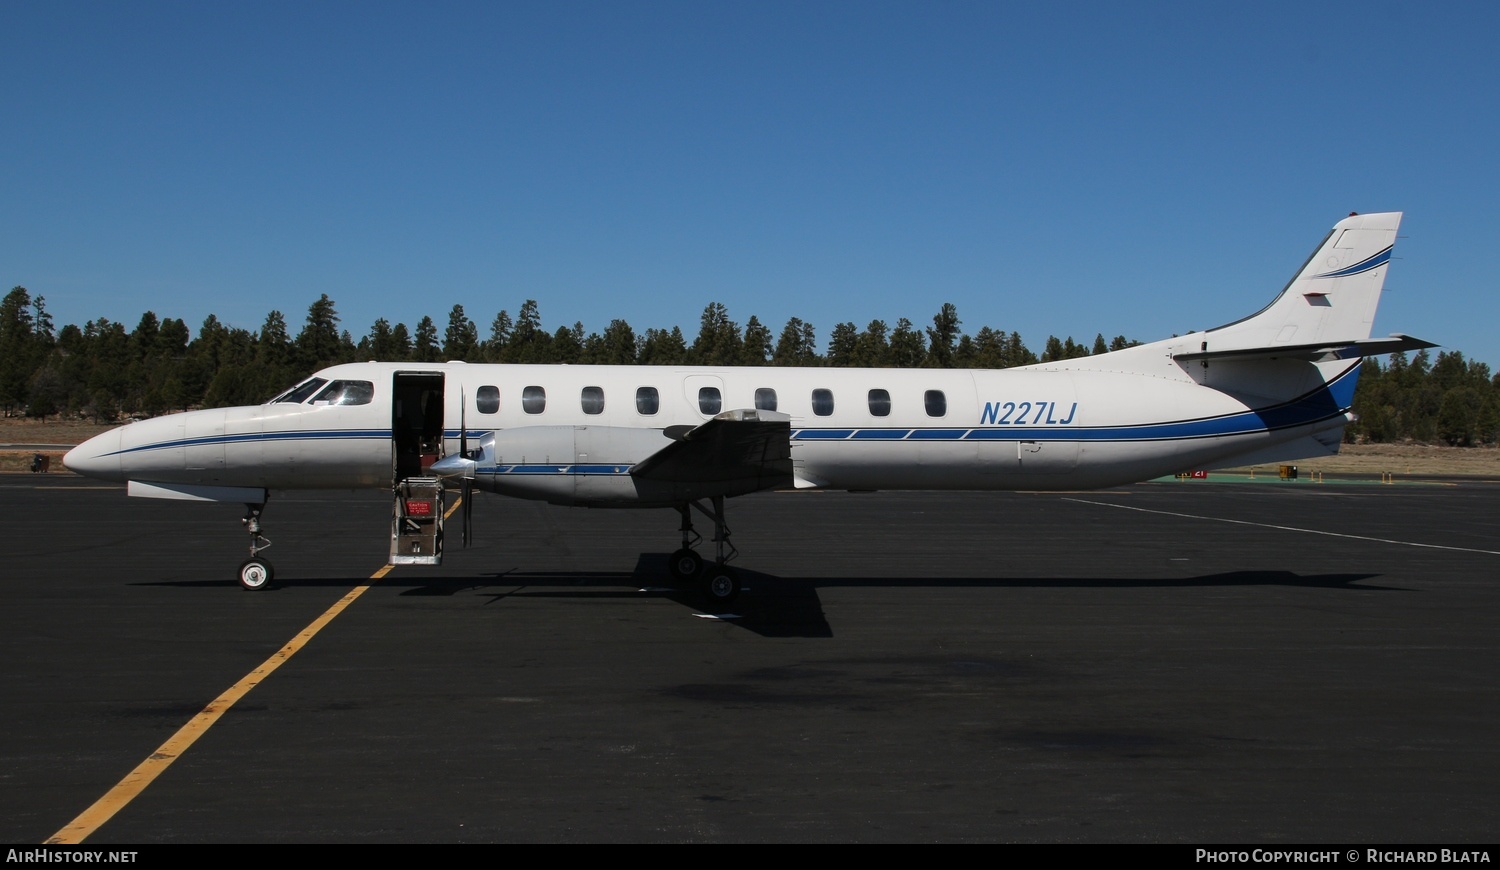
<point>135,782</point>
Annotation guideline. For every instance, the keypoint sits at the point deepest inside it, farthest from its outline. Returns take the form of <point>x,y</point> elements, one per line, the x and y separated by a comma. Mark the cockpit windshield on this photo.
<point>300,392</point>
<point>320,391</point>
<point>346,393</point>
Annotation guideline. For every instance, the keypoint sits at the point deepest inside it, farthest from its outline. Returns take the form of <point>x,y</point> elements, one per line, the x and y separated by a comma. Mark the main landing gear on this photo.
<point>719,583</point>
<point>255,572</point>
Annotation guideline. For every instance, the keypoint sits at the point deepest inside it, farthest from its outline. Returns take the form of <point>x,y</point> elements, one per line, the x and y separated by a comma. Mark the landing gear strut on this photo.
<point>255,572</point>
<point>720,584</point>
<point>686,564</point>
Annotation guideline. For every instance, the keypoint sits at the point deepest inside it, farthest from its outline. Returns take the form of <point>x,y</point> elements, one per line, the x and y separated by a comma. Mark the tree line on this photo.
<point>103,371</point>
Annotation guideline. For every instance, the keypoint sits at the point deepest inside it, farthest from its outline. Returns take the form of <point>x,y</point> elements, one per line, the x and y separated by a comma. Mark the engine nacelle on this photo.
<point>569,465</point>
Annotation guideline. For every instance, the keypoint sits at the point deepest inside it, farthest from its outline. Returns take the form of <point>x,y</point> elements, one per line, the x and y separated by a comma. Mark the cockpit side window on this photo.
<point>300,392</point>
<point>346,393</point>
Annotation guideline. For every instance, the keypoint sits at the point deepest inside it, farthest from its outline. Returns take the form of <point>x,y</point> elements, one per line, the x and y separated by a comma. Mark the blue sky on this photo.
<point>1061,168</point>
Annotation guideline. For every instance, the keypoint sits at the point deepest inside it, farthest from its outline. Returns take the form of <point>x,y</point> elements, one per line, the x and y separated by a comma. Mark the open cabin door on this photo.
<point>416,443</point>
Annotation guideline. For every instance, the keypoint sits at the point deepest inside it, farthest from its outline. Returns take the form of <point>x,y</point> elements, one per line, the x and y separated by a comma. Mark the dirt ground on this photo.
<point>1353,459</point>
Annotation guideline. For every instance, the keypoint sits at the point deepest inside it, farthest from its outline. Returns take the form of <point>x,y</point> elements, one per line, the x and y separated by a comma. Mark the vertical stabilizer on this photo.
<point>1333,297</point>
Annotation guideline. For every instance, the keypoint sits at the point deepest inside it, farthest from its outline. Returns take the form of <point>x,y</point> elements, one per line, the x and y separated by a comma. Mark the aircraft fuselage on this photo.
<point>571,434</point>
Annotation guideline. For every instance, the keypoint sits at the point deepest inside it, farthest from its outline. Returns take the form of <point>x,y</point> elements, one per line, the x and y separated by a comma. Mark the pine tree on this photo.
<point>942,337</point>
<point>757,345</point>
<point>907,350</point>
<point>17,348</point>
<point>318,344</point>
<point>718,342</point>
<point>843,345</point>
<point>461,338</point>
<point>797,346</point>
<point>873,349</point>
<point>425,344</point>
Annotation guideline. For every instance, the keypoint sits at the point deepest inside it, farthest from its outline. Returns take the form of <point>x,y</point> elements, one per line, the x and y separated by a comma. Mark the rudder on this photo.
<point>1334,295</point>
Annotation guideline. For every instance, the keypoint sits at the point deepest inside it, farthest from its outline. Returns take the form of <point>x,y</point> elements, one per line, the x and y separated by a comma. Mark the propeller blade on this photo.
<point>468,490</point>
<point>463,425</point>
<point>463,450</point>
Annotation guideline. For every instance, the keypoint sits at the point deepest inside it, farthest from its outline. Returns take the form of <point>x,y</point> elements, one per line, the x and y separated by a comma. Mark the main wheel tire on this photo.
<point>255,574</point>
<point>685,565</point>
<point>721,586</point>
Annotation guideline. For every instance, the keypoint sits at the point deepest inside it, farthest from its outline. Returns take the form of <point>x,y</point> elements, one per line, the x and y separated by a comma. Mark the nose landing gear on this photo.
<point>255,572</point>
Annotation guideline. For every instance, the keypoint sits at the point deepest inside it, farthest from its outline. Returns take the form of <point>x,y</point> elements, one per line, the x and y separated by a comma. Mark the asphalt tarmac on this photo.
<point>1182,662</point>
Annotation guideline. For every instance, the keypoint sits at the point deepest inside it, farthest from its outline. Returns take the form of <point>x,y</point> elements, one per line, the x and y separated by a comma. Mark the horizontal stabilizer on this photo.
<point>736,452</point>
<point>1321,352</point>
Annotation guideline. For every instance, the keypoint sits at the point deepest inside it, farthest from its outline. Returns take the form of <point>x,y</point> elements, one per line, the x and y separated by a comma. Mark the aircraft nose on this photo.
<point>97,457</point>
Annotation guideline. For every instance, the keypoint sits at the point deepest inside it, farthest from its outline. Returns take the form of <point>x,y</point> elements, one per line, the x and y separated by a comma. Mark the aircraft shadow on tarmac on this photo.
<point>775,606</point>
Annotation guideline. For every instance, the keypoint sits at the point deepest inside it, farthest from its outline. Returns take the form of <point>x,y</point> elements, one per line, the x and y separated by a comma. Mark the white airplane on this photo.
<point>1271,387</point>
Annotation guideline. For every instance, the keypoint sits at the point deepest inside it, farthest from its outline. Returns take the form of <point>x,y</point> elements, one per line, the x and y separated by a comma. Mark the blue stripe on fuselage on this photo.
<point>299,435</point>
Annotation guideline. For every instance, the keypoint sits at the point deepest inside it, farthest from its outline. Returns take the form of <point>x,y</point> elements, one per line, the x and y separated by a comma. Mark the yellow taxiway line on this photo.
<point>135,782</point>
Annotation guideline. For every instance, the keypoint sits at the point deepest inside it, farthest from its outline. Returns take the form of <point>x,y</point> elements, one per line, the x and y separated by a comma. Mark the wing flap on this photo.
<point>736,452</point>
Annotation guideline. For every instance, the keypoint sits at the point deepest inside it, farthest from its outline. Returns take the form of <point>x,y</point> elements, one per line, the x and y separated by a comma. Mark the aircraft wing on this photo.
<point>737,452</point>
<point>1324,352</point>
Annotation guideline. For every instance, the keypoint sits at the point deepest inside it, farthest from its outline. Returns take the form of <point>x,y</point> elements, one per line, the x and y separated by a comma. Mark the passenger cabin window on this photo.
<point>647,401</point>
<point>533,400</point>
<point>592,400</point>
<point>936,402</point>
<point>487,400</point>
<point>765,399</point>
<point>346,393</point>
<point>709,400</point>
<point>299,393</point>
<point>822,402</point>
<point>880,403</point>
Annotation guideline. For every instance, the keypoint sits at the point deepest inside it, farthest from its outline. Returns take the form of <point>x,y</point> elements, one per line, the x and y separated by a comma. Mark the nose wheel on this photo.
<point>255,572</point>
